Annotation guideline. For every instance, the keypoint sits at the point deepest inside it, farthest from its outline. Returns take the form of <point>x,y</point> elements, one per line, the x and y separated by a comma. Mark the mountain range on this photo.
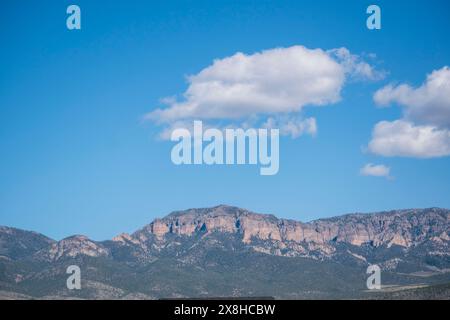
<point>226,251</point>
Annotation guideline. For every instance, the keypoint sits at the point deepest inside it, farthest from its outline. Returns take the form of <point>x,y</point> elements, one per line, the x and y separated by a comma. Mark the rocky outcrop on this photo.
<point>125,238</point>
<point>261,232</point>
<point>209,251</point>
<point>403,228</point>
<point>73,247</point>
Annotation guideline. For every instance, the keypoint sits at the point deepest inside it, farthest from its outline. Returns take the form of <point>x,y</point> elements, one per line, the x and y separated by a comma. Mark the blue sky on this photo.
<point>76,156</point>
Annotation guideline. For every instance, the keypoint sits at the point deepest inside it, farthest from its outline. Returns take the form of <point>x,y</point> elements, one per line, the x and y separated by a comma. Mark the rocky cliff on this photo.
<point>231,251</point>
<point>405,228</point>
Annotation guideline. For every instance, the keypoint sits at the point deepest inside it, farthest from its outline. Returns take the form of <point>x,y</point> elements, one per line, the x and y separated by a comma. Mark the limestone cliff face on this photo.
<point>192,249</point>
<point>404,228</point>
<point>268,234</point>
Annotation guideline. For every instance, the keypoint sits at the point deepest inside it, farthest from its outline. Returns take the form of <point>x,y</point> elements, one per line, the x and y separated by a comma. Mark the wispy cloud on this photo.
<point>373,170</point>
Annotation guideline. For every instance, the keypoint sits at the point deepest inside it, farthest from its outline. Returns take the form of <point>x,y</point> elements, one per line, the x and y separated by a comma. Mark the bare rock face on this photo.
<point>403,228</point>
<point>72,247</point>
<point>125,238</point>
<point>268,234</point>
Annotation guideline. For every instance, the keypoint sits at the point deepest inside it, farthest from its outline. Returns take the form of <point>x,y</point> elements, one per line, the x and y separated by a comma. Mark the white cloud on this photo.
<point>355,66</point>
<point>273,81</point>
<point>427,104</point>
<point>272,84</point>
<point>424,130</point>
<point>403,138</point>
<point>292,126</point>
<point>375,170</point>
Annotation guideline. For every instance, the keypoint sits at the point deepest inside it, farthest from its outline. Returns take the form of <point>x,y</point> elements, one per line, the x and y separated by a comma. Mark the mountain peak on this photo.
<point>77,237</point>
<point>72,247</point>
<point>17,243</point>
<point>221,209</point>
<point>400,227</point>
<point>223,239</point>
